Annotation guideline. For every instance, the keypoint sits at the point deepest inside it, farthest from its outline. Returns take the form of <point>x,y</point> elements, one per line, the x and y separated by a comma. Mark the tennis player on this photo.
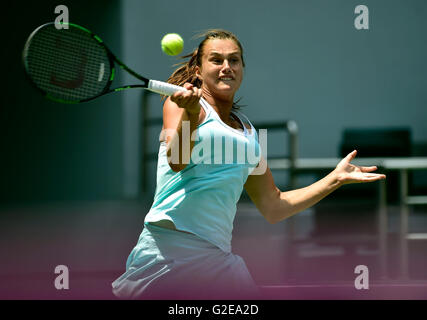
<point>184,250</point>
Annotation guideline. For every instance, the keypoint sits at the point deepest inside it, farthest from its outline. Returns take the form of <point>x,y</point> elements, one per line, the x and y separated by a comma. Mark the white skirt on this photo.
<point>169,264</point>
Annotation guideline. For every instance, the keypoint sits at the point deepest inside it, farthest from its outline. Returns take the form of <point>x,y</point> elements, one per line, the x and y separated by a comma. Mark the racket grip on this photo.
<point>164,88</point>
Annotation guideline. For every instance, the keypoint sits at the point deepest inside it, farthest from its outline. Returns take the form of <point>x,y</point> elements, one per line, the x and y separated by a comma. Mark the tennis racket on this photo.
<point>74,65</point>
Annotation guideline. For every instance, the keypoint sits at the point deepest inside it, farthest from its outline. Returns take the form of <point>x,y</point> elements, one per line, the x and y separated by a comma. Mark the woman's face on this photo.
<point>221,71</point>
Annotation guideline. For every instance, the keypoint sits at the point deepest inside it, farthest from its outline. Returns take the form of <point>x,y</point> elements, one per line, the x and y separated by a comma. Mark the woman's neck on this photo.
<point>222,106</point>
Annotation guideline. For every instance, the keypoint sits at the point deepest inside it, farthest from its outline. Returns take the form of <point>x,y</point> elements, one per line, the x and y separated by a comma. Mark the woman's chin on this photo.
<point>224,91</point>
<point>227,88</point>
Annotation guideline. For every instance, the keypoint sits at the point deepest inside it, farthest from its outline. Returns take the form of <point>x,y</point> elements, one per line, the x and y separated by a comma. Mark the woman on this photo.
<point>184,249</point>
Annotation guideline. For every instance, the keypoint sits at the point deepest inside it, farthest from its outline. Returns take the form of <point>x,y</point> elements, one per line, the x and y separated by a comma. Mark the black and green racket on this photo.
<point>74,65</point>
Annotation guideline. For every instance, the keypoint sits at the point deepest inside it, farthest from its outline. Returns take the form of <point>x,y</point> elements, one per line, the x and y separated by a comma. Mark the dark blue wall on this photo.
<point>51,151</point>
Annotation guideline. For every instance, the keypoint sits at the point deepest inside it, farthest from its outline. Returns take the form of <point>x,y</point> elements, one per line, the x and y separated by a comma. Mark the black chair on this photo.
<point>377,142</point>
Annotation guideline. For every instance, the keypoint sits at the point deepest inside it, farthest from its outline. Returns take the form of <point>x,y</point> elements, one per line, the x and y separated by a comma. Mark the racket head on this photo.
<point>68,65</point>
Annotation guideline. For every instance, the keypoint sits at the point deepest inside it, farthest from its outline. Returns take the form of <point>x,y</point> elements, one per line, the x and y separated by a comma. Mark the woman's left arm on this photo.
<point>276,205</point>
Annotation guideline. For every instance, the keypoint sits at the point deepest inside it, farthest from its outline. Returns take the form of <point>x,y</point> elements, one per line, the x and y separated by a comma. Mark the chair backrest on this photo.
<point>377,142</point>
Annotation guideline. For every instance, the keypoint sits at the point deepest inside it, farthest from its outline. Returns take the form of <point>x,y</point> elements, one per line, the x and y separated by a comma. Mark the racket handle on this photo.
<point>164,88</point>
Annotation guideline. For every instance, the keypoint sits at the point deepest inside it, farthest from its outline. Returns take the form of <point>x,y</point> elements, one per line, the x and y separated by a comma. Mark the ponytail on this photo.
<point>187,71</point>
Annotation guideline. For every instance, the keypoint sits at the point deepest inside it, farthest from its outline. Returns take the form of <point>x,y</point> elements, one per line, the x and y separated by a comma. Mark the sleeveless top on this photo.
<point>202,198</point>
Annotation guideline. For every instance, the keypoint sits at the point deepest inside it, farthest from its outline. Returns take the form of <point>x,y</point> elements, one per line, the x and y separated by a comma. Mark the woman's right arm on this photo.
<point>181,115</point>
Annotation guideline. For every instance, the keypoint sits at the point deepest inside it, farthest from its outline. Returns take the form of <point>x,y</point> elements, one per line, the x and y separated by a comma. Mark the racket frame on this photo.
<point>113,60</point>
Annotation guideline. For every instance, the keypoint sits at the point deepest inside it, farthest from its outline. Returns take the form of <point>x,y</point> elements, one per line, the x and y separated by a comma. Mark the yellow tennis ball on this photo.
<point>172,44</point>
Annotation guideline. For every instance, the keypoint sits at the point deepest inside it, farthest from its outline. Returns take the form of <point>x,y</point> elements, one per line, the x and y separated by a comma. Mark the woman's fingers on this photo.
<point>351,156</point>
<point>372,179</point>
<point>186,98</point>
<point>368,169</point>
<point>346,161</point>
<point>374,176</point>
<point>368,177</point>
<point>198,92</point>
<point>177,96</point>
<point>188,86</point>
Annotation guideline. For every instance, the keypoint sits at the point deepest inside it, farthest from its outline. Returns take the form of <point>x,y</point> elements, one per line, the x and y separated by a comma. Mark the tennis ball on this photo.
<point>172,44</point>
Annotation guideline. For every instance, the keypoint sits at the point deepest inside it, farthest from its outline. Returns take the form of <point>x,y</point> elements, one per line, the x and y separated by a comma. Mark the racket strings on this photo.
<point>69,64</point>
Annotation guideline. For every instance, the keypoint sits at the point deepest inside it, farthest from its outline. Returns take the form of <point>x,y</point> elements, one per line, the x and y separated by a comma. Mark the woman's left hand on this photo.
<point>350,173</point>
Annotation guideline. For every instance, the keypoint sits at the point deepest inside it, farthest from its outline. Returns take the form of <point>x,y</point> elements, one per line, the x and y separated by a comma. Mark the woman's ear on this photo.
<point>198,75</point>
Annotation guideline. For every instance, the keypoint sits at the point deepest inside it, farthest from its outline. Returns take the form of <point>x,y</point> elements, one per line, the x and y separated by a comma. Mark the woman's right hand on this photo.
<point>188,100</point>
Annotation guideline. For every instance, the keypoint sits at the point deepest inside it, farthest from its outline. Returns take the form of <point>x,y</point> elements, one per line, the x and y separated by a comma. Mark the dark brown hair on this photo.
<point>186,72</point>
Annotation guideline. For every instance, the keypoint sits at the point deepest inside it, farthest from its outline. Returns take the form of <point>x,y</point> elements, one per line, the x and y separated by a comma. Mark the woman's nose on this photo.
<point>226,66</point>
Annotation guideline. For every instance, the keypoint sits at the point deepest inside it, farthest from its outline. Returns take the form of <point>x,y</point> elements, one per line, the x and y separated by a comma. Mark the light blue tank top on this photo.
<point>202,198</point>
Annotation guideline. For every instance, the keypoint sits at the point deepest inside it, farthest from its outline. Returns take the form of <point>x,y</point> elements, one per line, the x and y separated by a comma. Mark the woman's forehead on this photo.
<point>222,46</point>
